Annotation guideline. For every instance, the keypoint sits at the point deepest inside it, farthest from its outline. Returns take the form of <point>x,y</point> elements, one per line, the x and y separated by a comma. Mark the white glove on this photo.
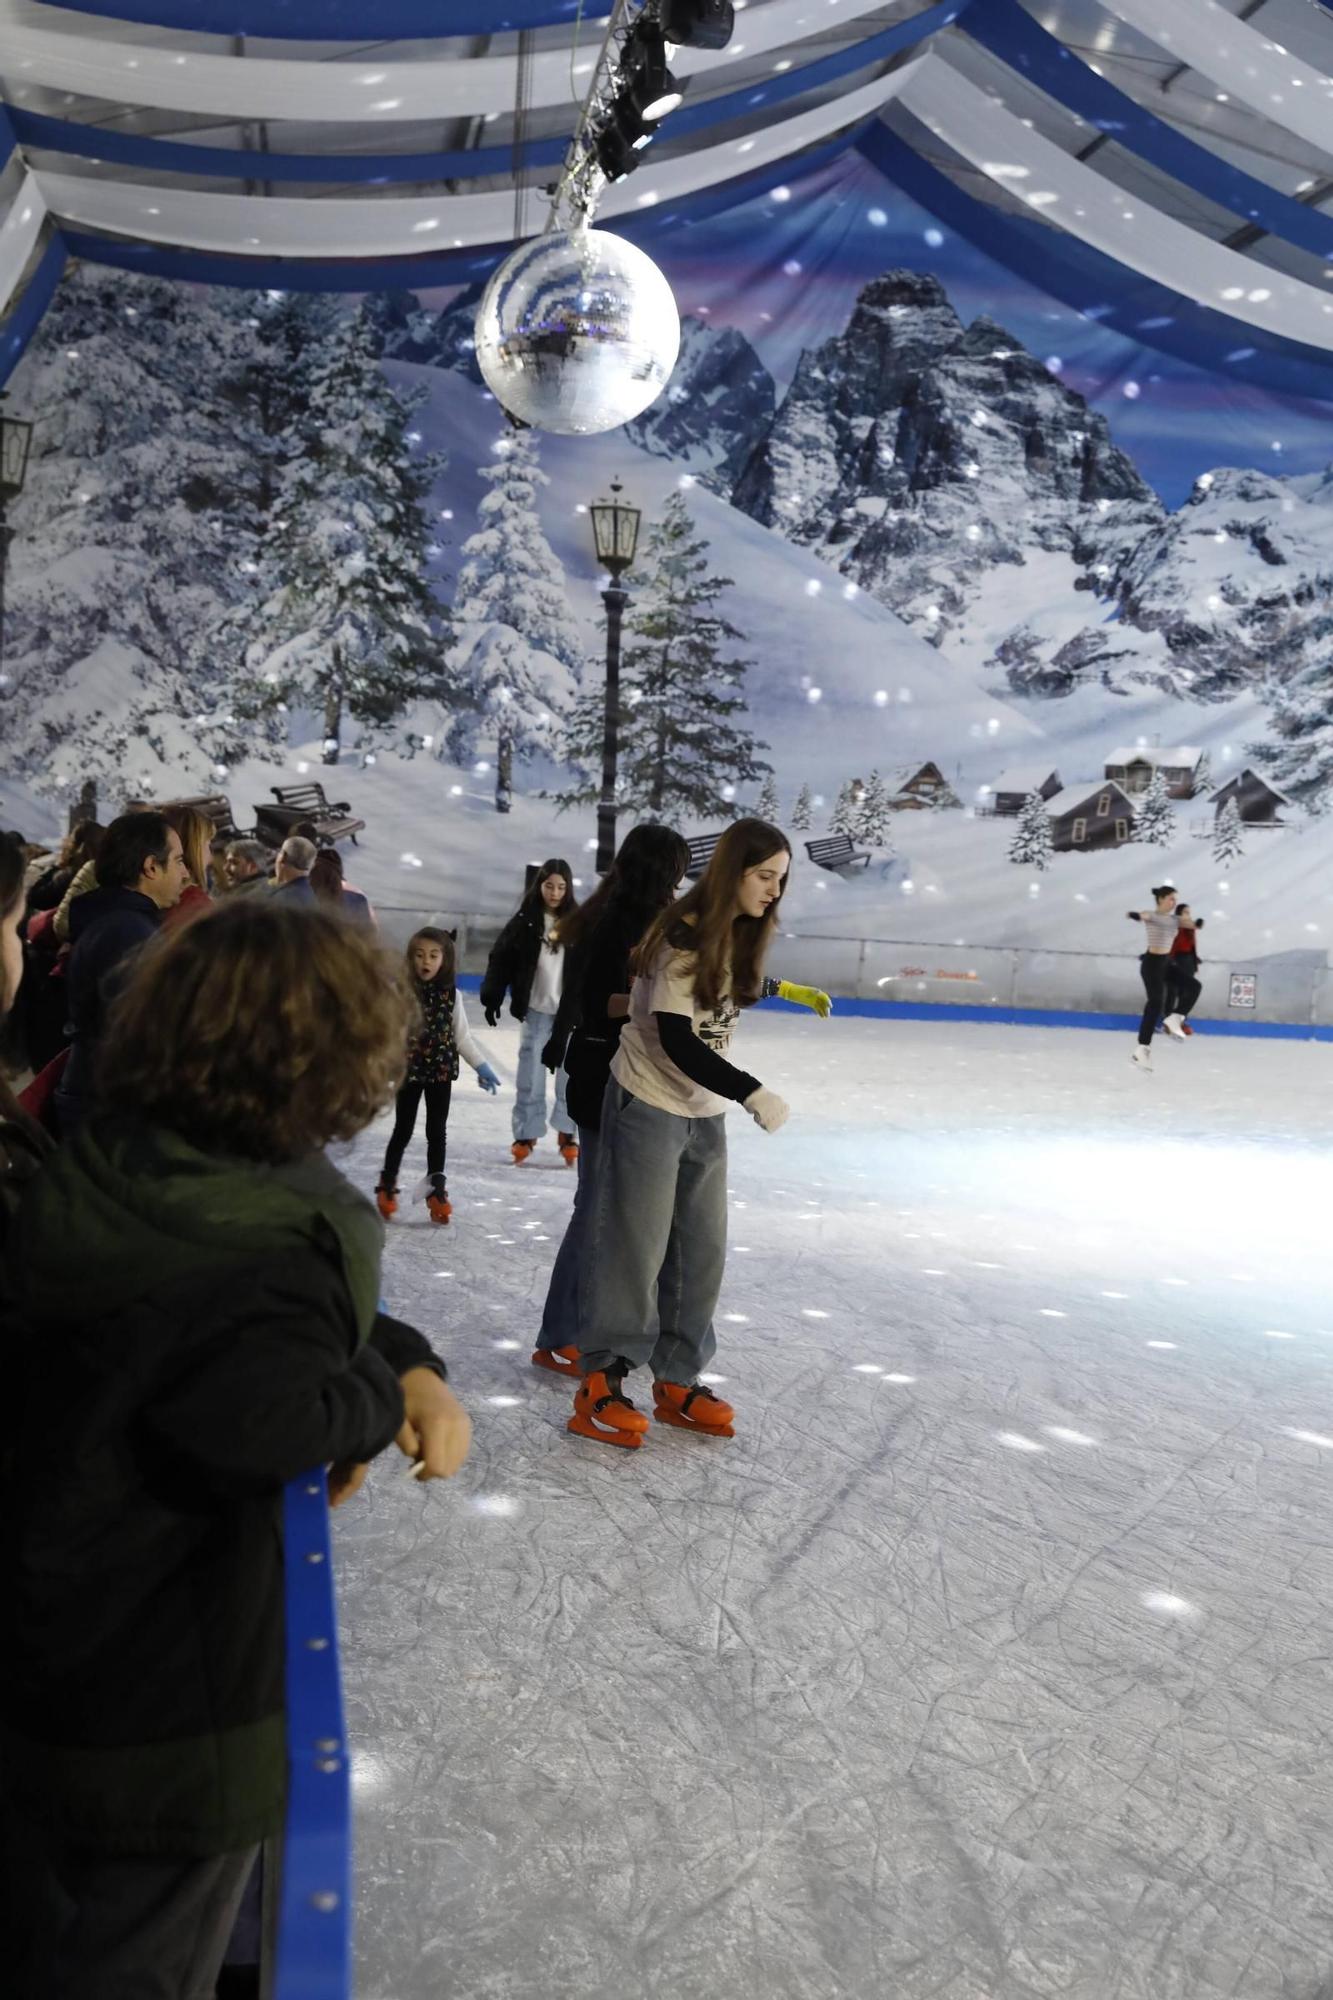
<point>767,1108</point>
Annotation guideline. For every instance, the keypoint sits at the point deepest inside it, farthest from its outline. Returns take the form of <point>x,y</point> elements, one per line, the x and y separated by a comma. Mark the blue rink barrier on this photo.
<point>314,1931</point>
<point>1042,1017</point>
<point>1026,1017</point>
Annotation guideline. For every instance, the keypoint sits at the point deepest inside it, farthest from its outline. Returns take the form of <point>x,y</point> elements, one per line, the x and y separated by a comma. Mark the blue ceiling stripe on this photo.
<point>449,267</point>
<point>169,156</point>
<point>8,136</point>
<point>1009,31</point>
<point>1060,265</point>
<point>344,20</point>
<point>21,324</point>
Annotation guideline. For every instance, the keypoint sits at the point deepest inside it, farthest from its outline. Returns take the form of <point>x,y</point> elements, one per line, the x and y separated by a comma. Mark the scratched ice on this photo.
<point>989,1659</point>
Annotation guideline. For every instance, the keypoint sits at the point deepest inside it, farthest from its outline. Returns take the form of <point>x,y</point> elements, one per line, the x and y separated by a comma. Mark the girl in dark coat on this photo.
<point>197,1288</point>
<point>527,962</point>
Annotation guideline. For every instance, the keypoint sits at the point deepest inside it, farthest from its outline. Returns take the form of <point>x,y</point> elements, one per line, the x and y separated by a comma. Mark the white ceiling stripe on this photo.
<point>1243,60</point>
<point>1076,198</point>
<point>397,226</point>
<point>18,236</point>
<point>364,90</point>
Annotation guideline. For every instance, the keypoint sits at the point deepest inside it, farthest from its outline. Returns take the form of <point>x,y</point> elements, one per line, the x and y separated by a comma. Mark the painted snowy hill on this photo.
<point>836,680</point>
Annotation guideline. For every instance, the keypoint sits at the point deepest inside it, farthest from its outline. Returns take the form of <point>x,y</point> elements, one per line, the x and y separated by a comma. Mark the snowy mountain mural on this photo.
<point>941,558</point>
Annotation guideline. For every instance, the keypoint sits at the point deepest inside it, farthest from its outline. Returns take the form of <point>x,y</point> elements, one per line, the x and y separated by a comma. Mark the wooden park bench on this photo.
<point>215,806</point>
<point>305,802</point>
<point>836,850</point>
<point>701,853</point>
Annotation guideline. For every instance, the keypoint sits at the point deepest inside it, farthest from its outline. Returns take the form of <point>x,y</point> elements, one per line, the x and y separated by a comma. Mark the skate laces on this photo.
<point>615,1393</point>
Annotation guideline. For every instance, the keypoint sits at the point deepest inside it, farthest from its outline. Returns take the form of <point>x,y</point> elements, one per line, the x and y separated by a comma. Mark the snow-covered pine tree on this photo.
<point>803,812</point>
<point>132,538</point>
<point>521,652</point>
<point>1301,716</point>
<point>352,626</point>
<point>767,805</point>
<point>874,819</point>
<point>1203,777</point>
<point>1228,833</point>
<point>682,733</point>
<point>1155,821</point>
<point>846,806</point>
<point>1031,845</point>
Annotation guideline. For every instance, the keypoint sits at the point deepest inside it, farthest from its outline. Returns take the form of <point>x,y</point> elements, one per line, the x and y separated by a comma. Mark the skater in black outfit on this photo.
<point>1184,971</point>
<point>599,940</point>
<point>432,1070</point>
<point>1160,927</point>
<point>527,962</point>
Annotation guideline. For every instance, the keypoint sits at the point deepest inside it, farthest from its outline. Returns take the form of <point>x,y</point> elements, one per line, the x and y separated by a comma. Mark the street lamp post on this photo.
<point>15,438</point>
<point>615,527</point>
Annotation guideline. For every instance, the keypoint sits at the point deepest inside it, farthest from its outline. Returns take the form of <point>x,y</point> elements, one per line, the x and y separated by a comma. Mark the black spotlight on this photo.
<point>621,142</point>
<point>650,88</point>
<point>698,24</point>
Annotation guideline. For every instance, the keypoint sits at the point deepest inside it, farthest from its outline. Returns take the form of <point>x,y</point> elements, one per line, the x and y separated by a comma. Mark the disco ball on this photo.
<point>577,332</point>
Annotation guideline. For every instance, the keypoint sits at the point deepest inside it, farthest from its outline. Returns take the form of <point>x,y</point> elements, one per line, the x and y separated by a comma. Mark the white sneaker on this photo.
<point>1141,1058</point>
<point>1174,1025</point>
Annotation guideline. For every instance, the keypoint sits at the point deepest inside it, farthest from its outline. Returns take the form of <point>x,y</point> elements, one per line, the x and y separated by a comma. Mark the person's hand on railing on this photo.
<point>437,1430</point>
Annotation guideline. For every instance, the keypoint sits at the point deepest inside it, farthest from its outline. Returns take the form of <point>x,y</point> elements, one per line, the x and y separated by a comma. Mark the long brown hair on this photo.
<point>260,1030</point>
<point>728,950</point>
<point>640,882</point>
<point>196,838</point>
<point>532,898</point>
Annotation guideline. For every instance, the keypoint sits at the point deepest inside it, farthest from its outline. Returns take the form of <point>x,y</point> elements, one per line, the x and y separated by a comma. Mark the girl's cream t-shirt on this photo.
<point>640,1064</point>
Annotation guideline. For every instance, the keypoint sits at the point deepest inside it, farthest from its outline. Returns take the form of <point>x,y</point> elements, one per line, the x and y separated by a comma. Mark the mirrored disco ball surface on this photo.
<point>577,332</point>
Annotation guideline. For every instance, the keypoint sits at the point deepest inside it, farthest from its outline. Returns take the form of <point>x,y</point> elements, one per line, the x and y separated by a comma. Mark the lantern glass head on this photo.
<point>615,528</point>
<point>15,438</point>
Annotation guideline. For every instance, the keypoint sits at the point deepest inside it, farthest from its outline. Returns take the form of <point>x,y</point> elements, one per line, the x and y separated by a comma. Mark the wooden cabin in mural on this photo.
<point>1096,813</point>
<point>1013,788</point>
<point>1258,800</point>
<point>913,787</point>
<point>1133,769</point>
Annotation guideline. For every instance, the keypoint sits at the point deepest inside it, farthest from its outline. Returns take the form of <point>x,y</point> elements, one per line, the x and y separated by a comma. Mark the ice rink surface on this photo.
<point>990,1660</point>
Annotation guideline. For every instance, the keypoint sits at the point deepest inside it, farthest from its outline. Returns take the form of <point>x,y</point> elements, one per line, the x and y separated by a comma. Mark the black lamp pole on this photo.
<point>15,438</point>
<point>615,527</point>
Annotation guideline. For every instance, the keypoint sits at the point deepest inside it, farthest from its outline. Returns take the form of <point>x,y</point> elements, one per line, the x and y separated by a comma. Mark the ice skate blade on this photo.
<point>680,1423</point>
<point>544,1358</point>
<point>585,1427</point>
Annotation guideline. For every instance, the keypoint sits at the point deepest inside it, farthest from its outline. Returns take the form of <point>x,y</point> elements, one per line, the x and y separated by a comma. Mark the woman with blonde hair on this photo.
<point>196,832</point>
<point>199,1288</point>
<point>657,1235</point>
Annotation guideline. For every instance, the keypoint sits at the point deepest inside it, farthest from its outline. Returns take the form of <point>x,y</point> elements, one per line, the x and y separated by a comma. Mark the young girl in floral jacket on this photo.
<point>432,1070</point>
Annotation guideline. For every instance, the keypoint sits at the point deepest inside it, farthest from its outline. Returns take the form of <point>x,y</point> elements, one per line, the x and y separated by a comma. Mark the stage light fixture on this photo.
<point>621,142</point>
<point>649,85</point>
<point>698,24</point>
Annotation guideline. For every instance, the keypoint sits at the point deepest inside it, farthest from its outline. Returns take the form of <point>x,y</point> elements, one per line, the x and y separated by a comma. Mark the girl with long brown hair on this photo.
<point>658,1229</point>
<point>527,962</point>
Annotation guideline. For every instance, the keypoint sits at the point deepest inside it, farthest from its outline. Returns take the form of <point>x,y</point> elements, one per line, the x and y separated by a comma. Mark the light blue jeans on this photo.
<point>656,1239</point>
<point>530,1085</point>
<point>560,1319</point>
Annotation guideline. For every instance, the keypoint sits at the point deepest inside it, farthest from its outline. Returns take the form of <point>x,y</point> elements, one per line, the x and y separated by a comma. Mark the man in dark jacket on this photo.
<point>141,872</point>
<point>296,858</point>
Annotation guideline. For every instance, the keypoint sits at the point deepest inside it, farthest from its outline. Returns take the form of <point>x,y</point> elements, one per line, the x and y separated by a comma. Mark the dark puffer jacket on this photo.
<point>193,1333</point>
<point>512,965</point>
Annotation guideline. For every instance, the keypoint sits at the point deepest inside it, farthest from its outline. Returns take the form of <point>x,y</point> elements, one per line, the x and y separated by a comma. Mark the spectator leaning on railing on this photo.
<point>197,1287</point>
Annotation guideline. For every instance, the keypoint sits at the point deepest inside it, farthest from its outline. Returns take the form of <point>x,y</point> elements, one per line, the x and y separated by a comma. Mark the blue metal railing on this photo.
<point>314,1940</point>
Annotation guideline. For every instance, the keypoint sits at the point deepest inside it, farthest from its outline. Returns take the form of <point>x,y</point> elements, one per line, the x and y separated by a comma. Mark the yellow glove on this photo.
<point>806,996</point>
